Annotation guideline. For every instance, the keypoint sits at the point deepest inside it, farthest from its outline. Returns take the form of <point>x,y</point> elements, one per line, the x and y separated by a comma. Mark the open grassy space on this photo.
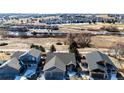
<point>91,25</point>
<point>104,42</point>
<point>18,43</point>
<point>96,26</point>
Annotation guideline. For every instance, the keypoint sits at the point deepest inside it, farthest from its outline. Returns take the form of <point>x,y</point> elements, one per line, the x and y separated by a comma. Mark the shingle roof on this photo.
<point>96,56</point>
<point>67,58</point>
<point>55,62</point>
<point>34,52</point>
<point>17,54</point>
<point>107,59</point>
<point>13,63</point>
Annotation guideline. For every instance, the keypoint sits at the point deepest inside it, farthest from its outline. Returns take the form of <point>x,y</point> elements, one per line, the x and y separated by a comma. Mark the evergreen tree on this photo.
<point>73,49</point>
<point>52,48</point>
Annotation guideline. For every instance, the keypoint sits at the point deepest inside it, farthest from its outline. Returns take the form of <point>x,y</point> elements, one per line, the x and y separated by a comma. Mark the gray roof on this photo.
<point>55,62</point>
<point>96,56</point>
<point>13,63</point>
<point>66,58</point>
<point>17,54</point>
<point>107,59</point>
<point>34,52</point>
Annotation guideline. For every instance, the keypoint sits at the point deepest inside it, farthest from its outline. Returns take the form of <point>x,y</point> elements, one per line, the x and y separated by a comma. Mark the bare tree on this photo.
<point>117,50</point>
<point>83,40</point>
<point>122,50</point>
<point>70,38</point>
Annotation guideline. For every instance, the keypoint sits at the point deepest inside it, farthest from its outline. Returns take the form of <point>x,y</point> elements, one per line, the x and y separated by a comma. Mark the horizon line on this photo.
<point>54,13</point>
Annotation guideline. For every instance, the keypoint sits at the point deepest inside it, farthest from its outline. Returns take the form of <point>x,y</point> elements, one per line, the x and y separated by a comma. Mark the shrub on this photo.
<point>58,43</point>
<point>3,44</point>
<point>41,48</point>
<point>110,28</point>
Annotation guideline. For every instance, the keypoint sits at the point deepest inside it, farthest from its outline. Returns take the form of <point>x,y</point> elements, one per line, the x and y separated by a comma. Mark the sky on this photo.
<point>61,6</point>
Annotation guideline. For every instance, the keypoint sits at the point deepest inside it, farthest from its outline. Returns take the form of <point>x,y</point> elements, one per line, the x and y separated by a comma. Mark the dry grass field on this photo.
<point>104,42</point>
<point>4,57</point>
<point>99,41</point>
<point>18,43</point>
<point>77,27</point>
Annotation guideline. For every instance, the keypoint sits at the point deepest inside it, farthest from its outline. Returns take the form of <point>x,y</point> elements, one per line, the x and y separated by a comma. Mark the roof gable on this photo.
<point>34,52</point>
<point>17,54</point>
<point>96,56</point>
<point>66,58</point>
<point>13,63</point>
<point>55,62</point>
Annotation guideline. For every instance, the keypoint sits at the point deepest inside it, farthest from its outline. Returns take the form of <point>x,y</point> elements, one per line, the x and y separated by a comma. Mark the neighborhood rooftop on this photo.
<point>17,54</point>
<point>13,63</point>
<point>33,52</point>
<point>96,56</point>
<point>67,58</point>
<point>55,62</point>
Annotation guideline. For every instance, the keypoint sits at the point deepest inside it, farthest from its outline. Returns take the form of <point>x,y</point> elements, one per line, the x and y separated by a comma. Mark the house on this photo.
<point>54,69</point>
<point>10,69</point>
<point>18,28</point>
<point>17,31</point>
<point>58,64</point>
<point>29,62</point>
<point>67,58</point>
<point>10,33</point>
<point>100,66</point>
<point>31,58</point>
